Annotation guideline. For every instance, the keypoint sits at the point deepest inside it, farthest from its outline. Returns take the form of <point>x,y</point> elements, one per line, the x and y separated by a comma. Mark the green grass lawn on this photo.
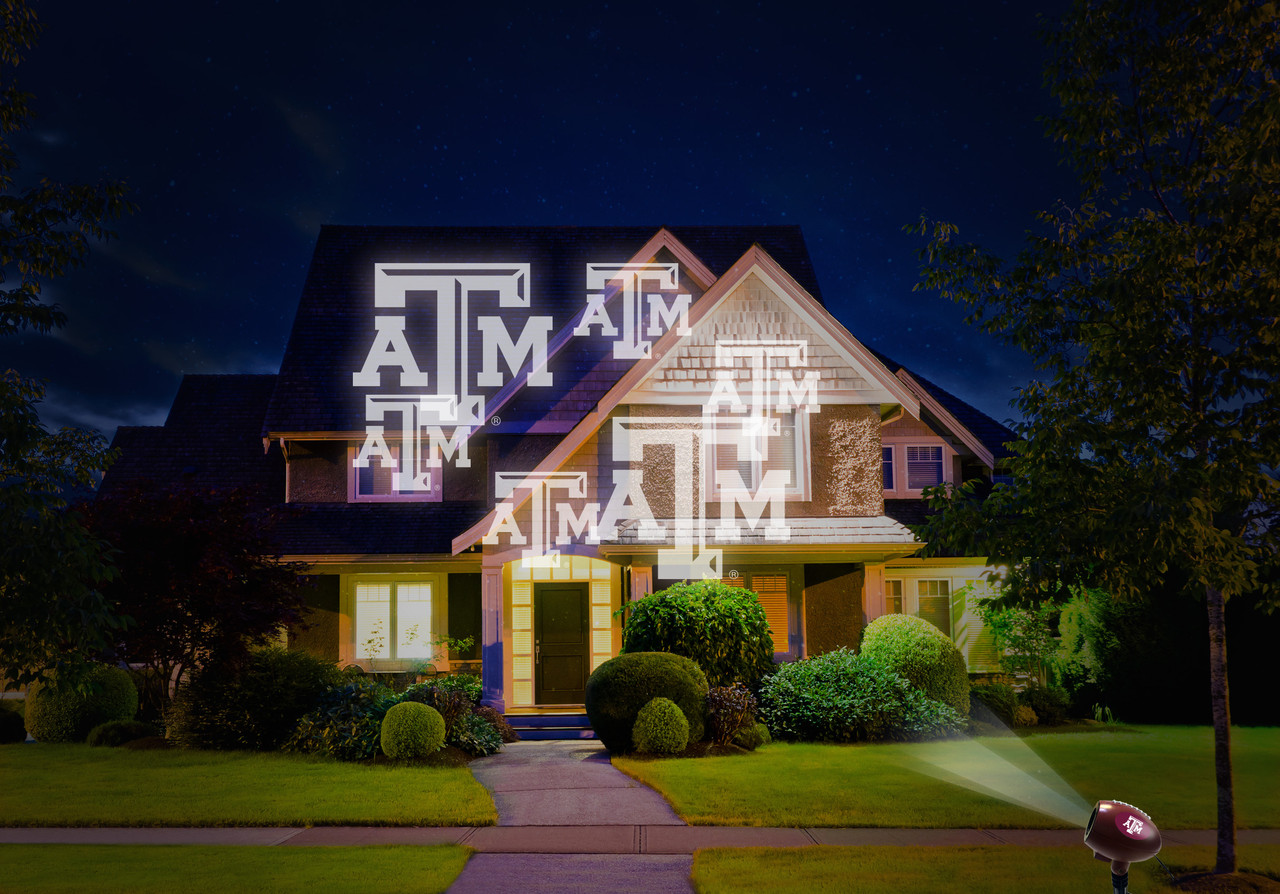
<point>1166,771</point>
<point>75,785</point>
<point>991,870</point>
<point>49,868</point>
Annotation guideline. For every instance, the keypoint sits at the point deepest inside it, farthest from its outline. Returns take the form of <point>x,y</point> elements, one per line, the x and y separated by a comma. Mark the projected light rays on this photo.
<point>1030,782</point>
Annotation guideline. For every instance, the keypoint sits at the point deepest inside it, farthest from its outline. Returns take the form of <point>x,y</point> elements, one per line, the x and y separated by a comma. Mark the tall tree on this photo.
<point>51,612</point>
<point>1151,441</point>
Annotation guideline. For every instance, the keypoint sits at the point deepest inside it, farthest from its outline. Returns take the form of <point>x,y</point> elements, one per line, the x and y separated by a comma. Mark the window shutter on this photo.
<point>772,591</point>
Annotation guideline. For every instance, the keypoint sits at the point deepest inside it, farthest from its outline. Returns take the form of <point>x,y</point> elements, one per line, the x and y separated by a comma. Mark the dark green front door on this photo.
<point>560,643</point>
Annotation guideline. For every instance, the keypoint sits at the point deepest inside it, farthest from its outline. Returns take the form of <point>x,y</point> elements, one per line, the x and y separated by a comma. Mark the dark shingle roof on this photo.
<point>333,328</point>
<point>387,529</point>
<point>210,440</point>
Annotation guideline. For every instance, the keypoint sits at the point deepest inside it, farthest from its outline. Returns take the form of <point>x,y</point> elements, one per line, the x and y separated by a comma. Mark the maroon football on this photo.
<point>1121,833</point>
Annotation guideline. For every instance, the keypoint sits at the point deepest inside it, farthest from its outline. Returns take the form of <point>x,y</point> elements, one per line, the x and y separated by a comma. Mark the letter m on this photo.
<point>532,341</point>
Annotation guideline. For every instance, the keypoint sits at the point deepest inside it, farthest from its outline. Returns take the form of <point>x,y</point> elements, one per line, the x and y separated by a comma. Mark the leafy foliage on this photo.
<point>993,701</point>
<point>923,654</point>
<point>619,688</point>
<point>254,705</point>
<point>115,733</point>
<point>468,684</point>
<point>1049,703</point>
<point>730,710</point>
<point>661,728</point>
<point>476,735</point>
<point>1023,634</point>
<point>12,728</point>
<point>453,703</point>
<point>752,737</point>
<point>50,567</point>
<point>63,714</point>
<point>200,575</point>
<point>506,731</point>
<point>347,724</point>
<point>411,730</point>
<point>840,696</point>
<point>721,628</point>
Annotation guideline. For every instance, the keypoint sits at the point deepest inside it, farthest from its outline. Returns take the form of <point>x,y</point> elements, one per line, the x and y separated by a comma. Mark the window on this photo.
<point>393,620</point>
<point>893,597</point>
<point>757,446</point>
<point>772,590</point>
<point>924,467</point>
<point>886,466</point>
<point>935,603</point>
<point>374,482</point>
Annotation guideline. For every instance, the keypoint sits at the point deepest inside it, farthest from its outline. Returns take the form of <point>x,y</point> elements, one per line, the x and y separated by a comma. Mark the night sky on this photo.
<point>241,128</point>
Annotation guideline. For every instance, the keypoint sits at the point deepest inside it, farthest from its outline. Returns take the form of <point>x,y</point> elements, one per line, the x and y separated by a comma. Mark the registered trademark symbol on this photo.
<point>733,574</point>
<point>495,420</point>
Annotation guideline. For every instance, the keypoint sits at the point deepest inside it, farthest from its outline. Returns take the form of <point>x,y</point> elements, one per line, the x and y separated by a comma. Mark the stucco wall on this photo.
<point>317,471</point>
<point>833,615</point>
<point>846,472</point>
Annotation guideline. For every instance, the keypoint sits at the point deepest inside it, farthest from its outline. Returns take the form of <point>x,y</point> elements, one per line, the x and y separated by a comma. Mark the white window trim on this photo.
<point>899,445</point>
<point>349,647</point>
<point>353,480</point>
<point>798,491</point>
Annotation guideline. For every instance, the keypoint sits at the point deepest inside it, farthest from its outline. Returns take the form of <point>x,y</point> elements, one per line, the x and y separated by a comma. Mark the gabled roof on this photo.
<point>209,440</point>
<point>333,327</point>
<point>986,437</point>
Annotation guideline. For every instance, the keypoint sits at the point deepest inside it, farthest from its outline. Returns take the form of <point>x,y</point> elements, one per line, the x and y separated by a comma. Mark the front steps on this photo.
<point>567,725</point>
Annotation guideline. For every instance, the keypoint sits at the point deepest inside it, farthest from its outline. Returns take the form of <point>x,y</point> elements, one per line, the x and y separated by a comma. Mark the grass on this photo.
<point>992,870</point>
<point>75,785</point>
<point>1166,771</point>
<point>51,868</point>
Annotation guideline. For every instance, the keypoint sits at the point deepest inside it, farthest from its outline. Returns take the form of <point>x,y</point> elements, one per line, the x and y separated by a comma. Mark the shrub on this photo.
<point>752,737</point>
<point>452,703</point>
<point>843,697</point>
<point>67,715</point>
<point>661,728</point>
<point>347,723</point>
<point>12,729</point>
<point>619,688</point>
<point>991,702</point>
<point>923,654</point>
<point>255,705</point>
<point>722,629</point>
<point>1024,716</point>
<point>467,684</point>
<point>730,710</point>
<point>475,735</point>
<point>1049,703</point>
<point>505,730</point>
<point>411,730</point>
<point>115,733</point>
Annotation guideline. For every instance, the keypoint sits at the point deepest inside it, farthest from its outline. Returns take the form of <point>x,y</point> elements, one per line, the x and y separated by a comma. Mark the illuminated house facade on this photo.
<point>507,433</point>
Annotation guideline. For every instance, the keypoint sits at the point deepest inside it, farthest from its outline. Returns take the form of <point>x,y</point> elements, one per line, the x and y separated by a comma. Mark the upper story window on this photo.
<point>760,450</point>
<point>376,482</point>
<point>886,467</point>
<point>909,465</point>
<point>924,467</point>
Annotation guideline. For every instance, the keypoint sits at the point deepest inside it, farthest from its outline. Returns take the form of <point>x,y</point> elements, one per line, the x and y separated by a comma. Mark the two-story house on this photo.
<point>508,433</point>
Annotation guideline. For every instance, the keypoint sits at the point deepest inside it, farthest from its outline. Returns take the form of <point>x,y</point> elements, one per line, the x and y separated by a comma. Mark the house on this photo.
<point>507,433</point>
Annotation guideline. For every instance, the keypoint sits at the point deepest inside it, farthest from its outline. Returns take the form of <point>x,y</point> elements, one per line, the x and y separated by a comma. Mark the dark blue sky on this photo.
<point>242,127</point>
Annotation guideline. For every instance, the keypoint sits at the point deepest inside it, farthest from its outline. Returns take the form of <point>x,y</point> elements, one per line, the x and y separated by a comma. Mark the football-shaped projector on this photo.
<point>1121,834</point>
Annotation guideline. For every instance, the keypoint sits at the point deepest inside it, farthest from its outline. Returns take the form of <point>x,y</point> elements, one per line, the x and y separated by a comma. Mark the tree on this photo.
<point>199,575</point>
<point>51,613</point>
<point>1150,447</point>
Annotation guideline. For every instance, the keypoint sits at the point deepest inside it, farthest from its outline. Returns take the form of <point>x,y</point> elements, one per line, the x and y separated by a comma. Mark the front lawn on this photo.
<point>1166,771</point>
<point>75,785</point>
<point>119,869</point>
<point>902,870</point>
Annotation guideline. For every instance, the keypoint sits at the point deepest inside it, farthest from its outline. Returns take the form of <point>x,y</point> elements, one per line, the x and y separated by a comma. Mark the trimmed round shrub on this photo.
<point>661,728</point>
<point>255,705</point>
<point>993,703</point>
<point>1049,703</point>
<point>1024,716</point>
<point>67,715</point>
<point>720,628</point>
<point>12,729</point>
<point>411,730</point>
<point>347,723</point>
<point>474,734</point>
<point>115,733</point>
<point>840,696</point>
<point>923,654</point>
<point>753,737</point>
<point>620,687</point>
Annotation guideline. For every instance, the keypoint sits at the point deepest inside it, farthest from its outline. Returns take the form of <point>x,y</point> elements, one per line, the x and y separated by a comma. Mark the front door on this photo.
<point>560,643</point>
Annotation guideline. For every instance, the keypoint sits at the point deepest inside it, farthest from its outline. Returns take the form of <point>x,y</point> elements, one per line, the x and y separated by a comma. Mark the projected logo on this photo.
<point>606,281</point>
<point>438,408</point>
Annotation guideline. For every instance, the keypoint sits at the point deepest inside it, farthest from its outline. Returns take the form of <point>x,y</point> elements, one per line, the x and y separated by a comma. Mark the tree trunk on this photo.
<point>1218,694</point>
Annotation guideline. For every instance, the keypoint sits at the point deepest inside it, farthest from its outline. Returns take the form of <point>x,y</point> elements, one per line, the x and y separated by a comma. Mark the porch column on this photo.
<point>493,667</point>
